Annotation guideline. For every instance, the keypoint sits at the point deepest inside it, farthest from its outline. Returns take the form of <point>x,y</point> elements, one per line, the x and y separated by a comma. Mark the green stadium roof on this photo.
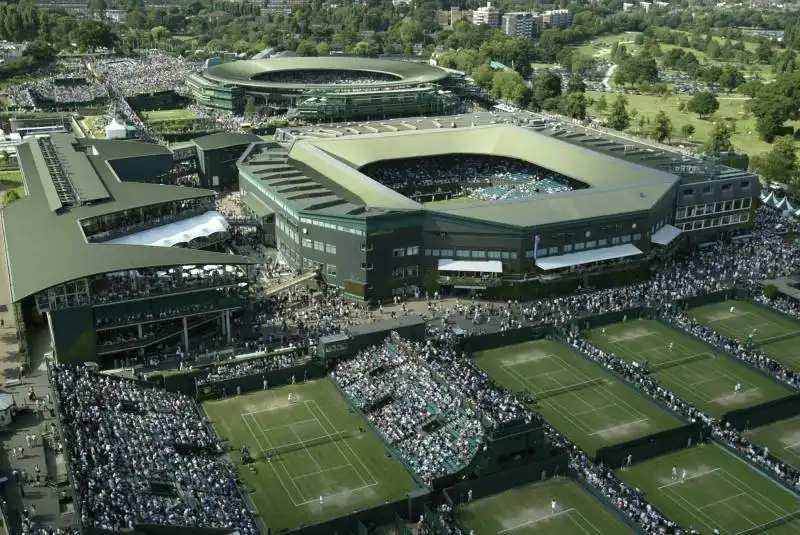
<point>224,139</point>
<point>616,185</point>
<point>243,73</point>
<point>45,247</point>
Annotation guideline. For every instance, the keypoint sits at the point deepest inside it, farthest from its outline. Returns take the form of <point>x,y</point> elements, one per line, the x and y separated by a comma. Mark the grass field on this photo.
<point>781,437</point>
<point>352,473</point>
<point>690,369</point>
<point>167,115</point>
<point>600,411</point>
<point>527,511</point>
<point>91,128</point>
<point>12,180</point>
<point>720,491</point>
<point>776,335</point>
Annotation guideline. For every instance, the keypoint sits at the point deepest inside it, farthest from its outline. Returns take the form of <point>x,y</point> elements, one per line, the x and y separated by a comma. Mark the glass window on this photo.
<point>412,251</point>
<point>727,187</point>
<point>434,252</point>
<point>400,251</point>
<point>307,243</point>
<point>626,238</point>
<point>580,246</point>
<point>706,190</point>
<point>602,242</point>
<point>398,272</point>
<point>447,253</point>
<point>637,237</point>
<point>615,240</point>
<point>513,255</point>
<point>568,248</point>
<point>745,183</point>
<point>319,246</point>
<point>427,252</point>
<point>478,254</point>
<point>412,271</point>
<point>554,250</point>
<point>591,244</point>
<point>462,253</point>
<point>495,254</point>
<point>505,255</point>
<point>331,270</point>
<point>529,253</point>
<point>688,191</point>
<point>330,248</point>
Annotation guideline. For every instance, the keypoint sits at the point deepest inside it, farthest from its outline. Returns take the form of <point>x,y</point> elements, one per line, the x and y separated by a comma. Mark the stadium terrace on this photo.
<point>396,208</point>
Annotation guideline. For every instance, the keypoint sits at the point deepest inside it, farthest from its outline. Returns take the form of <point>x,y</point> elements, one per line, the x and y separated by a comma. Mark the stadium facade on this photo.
<point>115,263</point>
<point>316,89</point>
<point>376,243</point>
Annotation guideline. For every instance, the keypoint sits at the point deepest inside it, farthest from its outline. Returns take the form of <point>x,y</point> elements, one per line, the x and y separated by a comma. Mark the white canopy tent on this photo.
<point>665,235</point>
<point>470,266</point>
<point>184,231</point>
<point>116,130</point>
<point>587,257</point>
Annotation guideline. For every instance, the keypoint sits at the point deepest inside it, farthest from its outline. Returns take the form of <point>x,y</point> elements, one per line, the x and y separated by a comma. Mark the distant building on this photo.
<point>449,18</point>
<point>488,15</point>
<point>521,24</point>
<point>283,6</point>
<point>558,18</point>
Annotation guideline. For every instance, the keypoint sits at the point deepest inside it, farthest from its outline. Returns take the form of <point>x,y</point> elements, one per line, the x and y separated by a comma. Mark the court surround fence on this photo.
<point>764,413</point>
<point>647,447</point>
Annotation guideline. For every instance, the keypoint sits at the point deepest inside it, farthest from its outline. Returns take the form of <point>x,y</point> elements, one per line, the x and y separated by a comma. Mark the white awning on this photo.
<point>587,257</point>
<point>472,266</point>
<point>183,231</point>
<point>665,235</point>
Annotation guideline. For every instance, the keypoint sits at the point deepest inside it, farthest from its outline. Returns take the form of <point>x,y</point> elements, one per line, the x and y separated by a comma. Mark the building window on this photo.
<point>568,248</point>
<point>553,251</point>
<point>637,237</point>
<point>745,184</point>
<point>398,272</point>
<point>626,238</point>
<point>462,253</point>
<point>434,252</point>
<point>412,251</point>
<point>615,240</point>
<point>428,252</point>
<point>478,254</point>
<point>506,255</point>
<point>366,267</point>
<point>529,253</point>
<point>365,247</point>
<point>330,248</point>
<point>331,271</point>
<point>447,253</point>
<point>307,243</point>
<point>580,246</point>
<point>591,244</point>
<point>688,191</point>
<point>602,242</point>
<point>319,246</point>
<point>727,187</point>
<point>495,255</point>
<point>706,190</point>
<point>398,252</point>
<point>412,271</point>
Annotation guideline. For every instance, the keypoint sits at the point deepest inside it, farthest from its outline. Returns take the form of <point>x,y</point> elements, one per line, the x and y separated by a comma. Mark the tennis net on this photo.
<point>679,362</point>
<point>771,524</point>
<point>305,444</point>
<point>778,338</point>
<point>566,389</point>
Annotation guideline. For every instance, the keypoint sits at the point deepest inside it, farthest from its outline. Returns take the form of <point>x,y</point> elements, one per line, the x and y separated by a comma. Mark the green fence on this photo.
<point>765,413</point>
<point>643,448</point>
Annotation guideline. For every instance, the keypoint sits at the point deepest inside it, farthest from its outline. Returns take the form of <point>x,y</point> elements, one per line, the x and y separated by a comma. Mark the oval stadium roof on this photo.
<point>243,72</point>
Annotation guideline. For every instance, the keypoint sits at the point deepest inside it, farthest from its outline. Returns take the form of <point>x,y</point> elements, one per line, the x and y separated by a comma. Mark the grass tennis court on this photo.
<point>690,369</point>
<point>719,491</point>
<point>320,451</point>
<point>775,334</point>
<point>781,437</point>
<point>589,405</point>
<point>527,511</point>
<point>167,115</point>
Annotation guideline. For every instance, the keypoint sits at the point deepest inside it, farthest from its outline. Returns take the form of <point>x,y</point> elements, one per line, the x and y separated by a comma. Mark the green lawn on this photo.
<point>92,130</point>
<point>745,139</point>
<point>527,511</point>
<point>690,369</point>
<point>349,468</point>
<point>775,334</point>
<point>12,180</point>
<point>589,405</point>
<point>719,492</point>
<point>167,115</point>
<point>601,46</point>
<point>782,438</point>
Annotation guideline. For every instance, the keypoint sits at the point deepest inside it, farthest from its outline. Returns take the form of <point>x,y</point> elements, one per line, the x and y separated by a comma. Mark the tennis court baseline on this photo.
<point>781,437</point>
<point>527,510</point>
<point>773,333</point>
<point>687,367</point>
<point>719,491</point>
<point>591,406</point>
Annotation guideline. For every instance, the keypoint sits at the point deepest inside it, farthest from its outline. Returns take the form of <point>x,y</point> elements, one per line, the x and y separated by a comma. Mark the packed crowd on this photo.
<point>327,77</point>
<point>146,72</point>
<point>424,416</point>
<point>252,366</point>
<point>124,440</point>
<point>67,90</point>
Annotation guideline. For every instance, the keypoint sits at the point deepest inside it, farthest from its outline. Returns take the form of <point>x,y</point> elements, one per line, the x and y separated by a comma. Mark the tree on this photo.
<point>719,140</point>
<point>363,48</point>
<point>687,130</point>
<point>509,86</point>
<point>483,76</point>
<point>306,49</point>
<point>323,49</point>
<point>619,118</point>
<point>750,88</point>
<point>703,104</point>
<point>574,105</point>
<point>545,86</point>
<point>93,34</point>
<point>10,196</point>
<point>250,108</point>
<point>601,104</point>
<point>662,127</point>
<point>576,84</point>
<point>779,164</point>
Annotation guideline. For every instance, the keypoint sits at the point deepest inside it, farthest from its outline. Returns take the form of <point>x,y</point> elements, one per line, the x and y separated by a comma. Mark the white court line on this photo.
<point>284,425</point>
<point>350,491</point>
<point>733,395</point>
<point>270,409</point>
<point>305,448</point>
<point>695,476</point>
<point>765,523</point>
<point>723,500</point>
<point>602,407</point>
<point>619,426</point>
<point>596,530</point>
<point>322,471</point>
<point>535,521</point>
<point>792,446</point>
<point>347,444</point>
<point>763,502</point>
<point>274,470</point>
